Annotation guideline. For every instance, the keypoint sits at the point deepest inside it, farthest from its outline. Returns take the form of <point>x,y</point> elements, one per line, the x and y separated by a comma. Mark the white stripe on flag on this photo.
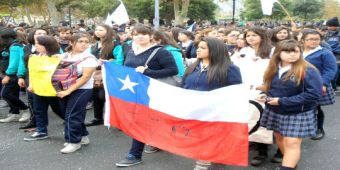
<point>228,104</point>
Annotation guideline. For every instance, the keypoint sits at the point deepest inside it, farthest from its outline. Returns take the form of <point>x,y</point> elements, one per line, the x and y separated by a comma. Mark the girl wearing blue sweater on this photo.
<point>292,88</point>
<point>325,62</point>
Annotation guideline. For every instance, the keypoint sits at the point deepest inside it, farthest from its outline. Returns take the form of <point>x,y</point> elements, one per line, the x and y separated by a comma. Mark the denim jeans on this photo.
<point>75,112</point>
<point>137,149</point>
<point>10,93</point>
<point>40,109</point>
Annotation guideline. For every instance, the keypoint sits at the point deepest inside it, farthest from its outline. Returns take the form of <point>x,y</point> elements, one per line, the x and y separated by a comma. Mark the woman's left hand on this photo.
<point>62,94</point>
<point>141,69</point>
<point>5,80</point>
<point>273,101</point>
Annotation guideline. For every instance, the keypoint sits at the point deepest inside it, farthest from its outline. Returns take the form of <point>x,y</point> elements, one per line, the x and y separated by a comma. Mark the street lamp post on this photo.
<point>156,19</point>
<point>233,11</point>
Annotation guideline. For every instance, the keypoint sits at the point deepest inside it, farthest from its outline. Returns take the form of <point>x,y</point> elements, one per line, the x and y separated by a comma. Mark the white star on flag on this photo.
<point>128,84</point>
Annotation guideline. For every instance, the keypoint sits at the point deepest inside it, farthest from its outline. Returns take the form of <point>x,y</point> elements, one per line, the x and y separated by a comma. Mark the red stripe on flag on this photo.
<point>219,142</point>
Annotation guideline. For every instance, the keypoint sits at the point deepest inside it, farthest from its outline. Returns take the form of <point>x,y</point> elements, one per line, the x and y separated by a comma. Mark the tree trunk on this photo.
<point>28,15</point>
<point>52,12</point>
<point>181,13</point>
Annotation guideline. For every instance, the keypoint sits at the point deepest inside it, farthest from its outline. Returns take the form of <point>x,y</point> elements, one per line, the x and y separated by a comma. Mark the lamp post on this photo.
<point>233,11</point>
<point>69,16</point>
<point>156,19</point>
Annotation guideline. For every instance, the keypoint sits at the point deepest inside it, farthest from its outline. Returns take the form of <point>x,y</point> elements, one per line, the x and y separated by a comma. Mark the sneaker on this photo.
<point>25,116</point>
<point>150,149</point>
<point>89,105</point>
<point>258,160</point>
<point>71,147</point>
<point>3,103</point>
<point>129,161</point>
<point>202,165</point>
<point>36,136</point>
<point>10,118</point>
<point>84,141</point>
<point>319,135</point>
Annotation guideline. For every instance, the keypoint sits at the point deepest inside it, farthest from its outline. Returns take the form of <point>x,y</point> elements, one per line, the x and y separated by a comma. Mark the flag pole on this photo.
<point>290,18</point>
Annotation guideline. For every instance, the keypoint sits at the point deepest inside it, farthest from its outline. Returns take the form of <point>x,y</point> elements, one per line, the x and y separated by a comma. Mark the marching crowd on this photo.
<point>295,72</point>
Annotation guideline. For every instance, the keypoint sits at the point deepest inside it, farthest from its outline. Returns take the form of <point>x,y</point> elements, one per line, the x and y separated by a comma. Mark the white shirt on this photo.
<point>91,61</point>
<point>311,51</point>
<point>283,69</point>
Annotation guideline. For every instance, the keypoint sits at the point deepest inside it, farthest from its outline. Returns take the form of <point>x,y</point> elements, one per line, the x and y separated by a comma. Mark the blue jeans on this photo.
<point>136,149</point>
<point>10,93</point>
<point>75,112</point>
<point>40,109</point>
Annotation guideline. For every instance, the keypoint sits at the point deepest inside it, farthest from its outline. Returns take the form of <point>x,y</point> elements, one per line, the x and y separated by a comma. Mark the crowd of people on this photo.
<point>295,71</point>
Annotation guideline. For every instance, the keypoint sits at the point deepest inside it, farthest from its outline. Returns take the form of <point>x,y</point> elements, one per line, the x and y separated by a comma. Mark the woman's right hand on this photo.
<point>261,98</point>
<point>30,89</point>
<point>21,82</point>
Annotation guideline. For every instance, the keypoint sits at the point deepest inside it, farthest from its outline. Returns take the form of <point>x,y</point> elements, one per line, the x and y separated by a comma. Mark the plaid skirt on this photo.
<point>328,98</point>
<point>300,125</point>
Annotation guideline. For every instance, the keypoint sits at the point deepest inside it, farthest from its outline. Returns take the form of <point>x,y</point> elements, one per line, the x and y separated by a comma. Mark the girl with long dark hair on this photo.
<point>213,69</point>
<point>106,48</point>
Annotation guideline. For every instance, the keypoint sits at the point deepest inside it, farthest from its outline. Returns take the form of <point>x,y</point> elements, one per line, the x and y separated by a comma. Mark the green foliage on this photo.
<point>202,10</point>
<point>10,3</point>
<point>253,10</point>
<point>308,9</point>
<point>198,9</point>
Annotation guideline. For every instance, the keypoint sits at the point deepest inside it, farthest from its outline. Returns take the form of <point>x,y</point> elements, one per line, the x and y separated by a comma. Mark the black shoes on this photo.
<point>278,157</point>
<point>29,125</point>
<point>258,160</point>
<point>150,149</point>
<point>129,161</point>
<point>319,135</point>
<point>95,122</point>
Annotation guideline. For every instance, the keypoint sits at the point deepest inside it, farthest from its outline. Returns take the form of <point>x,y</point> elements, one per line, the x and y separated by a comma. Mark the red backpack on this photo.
<point>66,74</point>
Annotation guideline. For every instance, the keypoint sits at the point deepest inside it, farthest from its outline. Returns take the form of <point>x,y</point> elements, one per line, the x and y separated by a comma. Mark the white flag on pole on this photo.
<point>120,15</point>
<point>267,6</point>
<point>192,27</point>
<point>108,20</point>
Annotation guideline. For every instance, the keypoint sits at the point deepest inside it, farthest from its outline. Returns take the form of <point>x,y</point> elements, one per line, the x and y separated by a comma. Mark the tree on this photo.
<point>202,10</point>
<point>308,10</point>
<point>9,6</point>
<point>181,10</point>
<point>331,8</point>
<point>253,10</point>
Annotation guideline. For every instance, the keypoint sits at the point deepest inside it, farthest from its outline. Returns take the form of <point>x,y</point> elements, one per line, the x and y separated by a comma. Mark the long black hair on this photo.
<point>265,46</point>
<point>50,43</point>
<point>107,42</point>
<point>219,61</point>
<point>7,36</point>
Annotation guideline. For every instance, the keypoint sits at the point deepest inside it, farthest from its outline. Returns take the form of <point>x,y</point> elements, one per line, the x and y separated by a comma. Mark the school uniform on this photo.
<point>295,115</point>
<point>325,62</point>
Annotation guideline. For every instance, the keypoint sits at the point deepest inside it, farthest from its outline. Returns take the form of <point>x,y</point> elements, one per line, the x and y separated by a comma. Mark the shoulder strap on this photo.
<point>79,61</point>
<point>151,56</point>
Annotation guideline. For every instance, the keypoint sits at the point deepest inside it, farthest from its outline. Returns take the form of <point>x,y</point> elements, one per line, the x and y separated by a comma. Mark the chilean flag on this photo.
<point>210,126</point>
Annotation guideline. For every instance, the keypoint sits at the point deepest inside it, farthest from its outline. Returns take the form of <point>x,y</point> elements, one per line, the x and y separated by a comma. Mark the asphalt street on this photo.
<point>109,145</point>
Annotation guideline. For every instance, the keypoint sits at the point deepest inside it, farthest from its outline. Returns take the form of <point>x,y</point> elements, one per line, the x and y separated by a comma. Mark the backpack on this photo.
<point>4,57</point>
<point>66,74</point>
